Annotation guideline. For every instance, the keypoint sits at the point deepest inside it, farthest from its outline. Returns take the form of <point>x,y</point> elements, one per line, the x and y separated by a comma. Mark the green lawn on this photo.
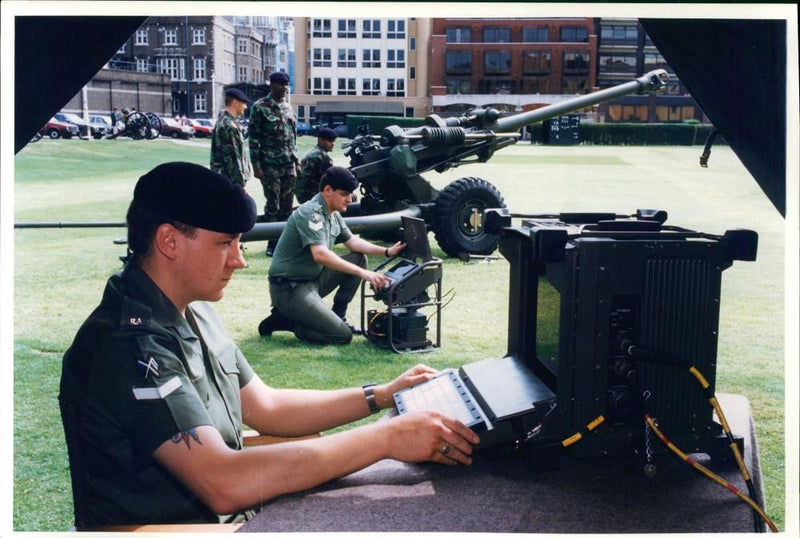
<point>59,275</point>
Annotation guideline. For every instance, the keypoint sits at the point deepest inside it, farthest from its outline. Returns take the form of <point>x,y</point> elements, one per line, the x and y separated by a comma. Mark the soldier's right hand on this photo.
<point>259,173</point>
<point>429,436</point>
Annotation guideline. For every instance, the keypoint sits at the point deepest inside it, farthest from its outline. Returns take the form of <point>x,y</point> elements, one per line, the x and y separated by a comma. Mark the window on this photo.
<point>574,84</point>
<point>371,29</point>
<point>347,58</point>
<point>141,37</point>
<point>173,67</point>
<point>321,28</point>
<point>672,113</point>
<point>618,62</point>
<point>241,46</point>
<point>396,58</point>
<point>321,86</point>
<point>574,34</point>
<point>171,37</point>
<point>499,86</point>
<point>457,86</point>
<point>619,33</point>
<point>199,68</point>
<point>653,60</point>
<point>370,58</point>
<point>458,62</point>
<point>536,84</point>
<point>322,58</point>
<point>412,43</point>
<point>347,28</point>
<point>576,62</point>
<point>633,113</point>
<point>412,73</point>
<point>396,29</point>
<point>347,86</point>
<point>459,34</point>
<point>497,61</point>
<point>496,34</point>
<point>199,36</point>
<point>301,112</point>
<point>534,62</point>
<point>371,86</point>
<point>242,73</point>
<point>536,34</point>
<point>123,49</point>
<point>395,87</point>
<point>141,65</point>
<point>199,102</point>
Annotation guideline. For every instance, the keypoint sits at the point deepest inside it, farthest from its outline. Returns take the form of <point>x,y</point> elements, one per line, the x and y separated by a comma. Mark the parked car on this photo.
<point>341,129</point>
<point>97,130</point>
<point>102,121</point>
<point>200,130</point>
<point>303,128</point>
<point>59,129</point>
<point>173,128</point>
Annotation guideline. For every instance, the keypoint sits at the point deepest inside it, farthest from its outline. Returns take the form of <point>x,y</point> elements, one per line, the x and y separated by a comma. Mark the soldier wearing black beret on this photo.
<point>228,155</point>
<point>305,269</point>
<point>155,395</point>
<point>314,164</point>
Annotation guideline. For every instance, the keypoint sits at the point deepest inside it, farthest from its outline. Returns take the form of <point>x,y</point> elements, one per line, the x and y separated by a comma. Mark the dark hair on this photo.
<point>142,226</point>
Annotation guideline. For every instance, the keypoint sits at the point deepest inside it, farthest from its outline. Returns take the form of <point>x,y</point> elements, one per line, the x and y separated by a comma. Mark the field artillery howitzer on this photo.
<point>389,168</point>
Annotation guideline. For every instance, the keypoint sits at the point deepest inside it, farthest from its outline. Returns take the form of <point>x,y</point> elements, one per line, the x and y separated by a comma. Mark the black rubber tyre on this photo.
<point>458,218</point>
<point>53,133</point>
<point>155,126</point>
<point>137,125</point>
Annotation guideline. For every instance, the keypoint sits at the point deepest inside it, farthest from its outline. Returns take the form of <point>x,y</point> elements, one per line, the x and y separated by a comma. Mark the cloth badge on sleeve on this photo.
<point>315,223</point>
<point>148,368</point>
<point>157,393</point>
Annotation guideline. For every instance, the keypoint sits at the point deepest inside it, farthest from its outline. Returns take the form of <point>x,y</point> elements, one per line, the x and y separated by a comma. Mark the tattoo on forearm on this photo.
<point>185,436</point>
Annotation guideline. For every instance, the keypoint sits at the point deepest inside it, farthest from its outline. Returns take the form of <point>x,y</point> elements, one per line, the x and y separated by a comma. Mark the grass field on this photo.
<point>59,275</point>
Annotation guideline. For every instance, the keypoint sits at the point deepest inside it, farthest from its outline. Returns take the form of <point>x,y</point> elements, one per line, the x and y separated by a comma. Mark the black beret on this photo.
<point>339,177</point>
<point>327,133</point>
<point>194,195</point>
<point>237,94</point>
<point>279,77</point>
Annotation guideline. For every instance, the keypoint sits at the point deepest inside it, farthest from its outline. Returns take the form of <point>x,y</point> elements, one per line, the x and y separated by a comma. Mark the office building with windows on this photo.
<point>360,67</point>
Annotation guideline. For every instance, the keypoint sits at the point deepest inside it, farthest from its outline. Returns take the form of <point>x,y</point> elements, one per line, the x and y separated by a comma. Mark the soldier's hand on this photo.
<point>259,173</point>
<point>430,436</point>
<point>378,280</point>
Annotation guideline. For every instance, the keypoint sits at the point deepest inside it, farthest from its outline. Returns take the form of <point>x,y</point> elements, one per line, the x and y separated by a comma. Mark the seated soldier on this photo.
<point>154,394</point>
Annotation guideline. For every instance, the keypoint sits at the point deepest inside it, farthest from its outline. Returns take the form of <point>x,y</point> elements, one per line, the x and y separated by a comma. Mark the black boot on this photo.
<point>341,311</point>
<point>271,248</point>
<point>275,322</point>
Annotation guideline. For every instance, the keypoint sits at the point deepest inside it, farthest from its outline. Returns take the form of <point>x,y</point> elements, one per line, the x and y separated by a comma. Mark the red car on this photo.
<point>59,129</point>
<point>201,130</point>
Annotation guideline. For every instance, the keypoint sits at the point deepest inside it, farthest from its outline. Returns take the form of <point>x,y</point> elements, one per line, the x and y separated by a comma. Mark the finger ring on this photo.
<point>446,449</point>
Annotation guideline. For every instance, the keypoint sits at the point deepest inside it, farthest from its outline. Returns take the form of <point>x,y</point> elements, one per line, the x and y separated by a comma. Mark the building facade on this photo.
<point>360,66</point>
<point>201,55</point>
<point>510,64</point>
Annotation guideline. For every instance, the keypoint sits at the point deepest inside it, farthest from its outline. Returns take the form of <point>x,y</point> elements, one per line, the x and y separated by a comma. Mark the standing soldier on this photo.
<point>273,150</point>
<point>228,156</point>
<point>314,164</point>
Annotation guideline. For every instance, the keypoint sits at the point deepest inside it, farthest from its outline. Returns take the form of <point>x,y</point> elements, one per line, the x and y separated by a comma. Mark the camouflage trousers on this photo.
<point>278,185</point>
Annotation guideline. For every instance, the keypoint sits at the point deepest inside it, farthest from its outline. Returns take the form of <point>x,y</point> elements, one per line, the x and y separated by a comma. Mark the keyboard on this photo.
<point>447,394</point>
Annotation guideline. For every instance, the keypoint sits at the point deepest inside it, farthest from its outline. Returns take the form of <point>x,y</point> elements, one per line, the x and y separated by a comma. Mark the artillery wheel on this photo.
<point>155,126</point>
<point>458,217</point>
<point>137,125</point>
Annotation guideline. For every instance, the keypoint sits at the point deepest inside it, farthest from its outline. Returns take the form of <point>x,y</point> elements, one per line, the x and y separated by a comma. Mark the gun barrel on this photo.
<point>649,82</point>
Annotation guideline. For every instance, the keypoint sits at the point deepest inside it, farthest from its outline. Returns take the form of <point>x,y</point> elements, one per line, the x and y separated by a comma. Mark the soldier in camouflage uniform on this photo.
<point>273,150</point>
<point>228,156</point>
<point>314,164</point>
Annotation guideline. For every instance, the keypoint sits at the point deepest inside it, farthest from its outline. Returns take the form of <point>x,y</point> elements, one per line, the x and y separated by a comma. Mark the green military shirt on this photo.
<point>228,155</point>
<point>138,374</point>
<point>309,224</point>
<point>314,164</point>
<point>272,132</point>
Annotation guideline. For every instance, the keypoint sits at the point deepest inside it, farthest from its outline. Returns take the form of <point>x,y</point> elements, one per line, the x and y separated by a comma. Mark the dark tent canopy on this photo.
<point>735,70</point>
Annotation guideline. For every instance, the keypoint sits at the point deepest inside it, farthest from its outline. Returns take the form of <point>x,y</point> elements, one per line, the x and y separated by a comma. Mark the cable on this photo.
<point>719,480</point>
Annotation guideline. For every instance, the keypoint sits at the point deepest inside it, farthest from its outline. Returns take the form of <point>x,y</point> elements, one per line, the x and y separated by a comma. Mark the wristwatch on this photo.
<point>369,394</point>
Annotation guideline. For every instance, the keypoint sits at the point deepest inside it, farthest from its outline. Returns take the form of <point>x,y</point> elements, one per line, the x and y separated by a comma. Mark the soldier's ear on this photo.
<point>166,240</point>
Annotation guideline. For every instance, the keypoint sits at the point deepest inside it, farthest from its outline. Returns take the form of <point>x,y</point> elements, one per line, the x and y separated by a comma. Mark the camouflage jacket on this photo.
<point>228,155</point>
<point>273,134</point>
<point>314,163</point>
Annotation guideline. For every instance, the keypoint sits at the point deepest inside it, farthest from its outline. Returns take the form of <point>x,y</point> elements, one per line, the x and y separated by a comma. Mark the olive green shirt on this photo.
<point>139,374</point>
<point>309,224</point>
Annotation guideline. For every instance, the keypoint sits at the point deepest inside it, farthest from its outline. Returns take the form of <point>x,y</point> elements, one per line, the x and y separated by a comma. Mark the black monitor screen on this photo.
<point>415,236</point>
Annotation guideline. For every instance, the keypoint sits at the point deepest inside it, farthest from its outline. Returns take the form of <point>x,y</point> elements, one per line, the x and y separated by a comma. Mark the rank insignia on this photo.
<point>148,368</point>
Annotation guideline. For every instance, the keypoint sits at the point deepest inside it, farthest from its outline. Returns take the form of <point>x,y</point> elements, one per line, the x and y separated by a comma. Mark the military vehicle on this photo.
<point>389,168</point>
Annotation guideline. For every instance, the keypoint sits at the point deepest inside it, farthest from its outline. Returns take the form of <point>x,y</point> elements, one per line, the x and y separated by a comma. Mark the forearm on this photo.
<point>356,244</point>
<point>296,412</point>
